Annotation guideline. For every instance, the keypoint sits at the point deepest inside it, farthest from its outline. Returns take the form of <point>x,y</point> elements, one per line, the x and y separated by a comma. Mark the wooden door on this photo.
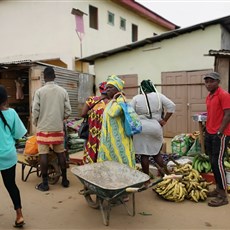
<point>174,87</point>
<point>187,91</point>
<point>131,85</point>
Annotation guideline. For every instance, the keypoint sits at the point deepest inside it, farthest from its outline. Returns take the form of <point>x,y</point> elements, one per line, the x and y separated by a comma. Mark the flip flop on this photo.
<point>19,224</point>
<point>42,187</point>
<point>218,201</point>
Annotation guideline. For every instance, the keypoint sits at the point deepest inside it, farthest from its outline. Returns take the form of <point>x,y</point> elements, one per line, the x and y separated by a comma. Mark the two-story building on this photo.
<point>59,33</point>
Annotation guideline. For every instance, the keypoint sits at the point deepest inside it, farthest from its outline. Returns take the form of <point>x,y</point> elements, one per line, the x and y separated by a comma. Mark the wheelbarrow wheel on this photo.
<point>92,200</point>
<point>53,173</point>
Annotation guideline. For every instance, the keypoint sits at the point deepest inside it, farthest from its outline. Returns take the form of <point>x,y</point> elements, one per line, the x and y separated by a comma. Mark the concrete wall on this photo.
<point>225,41</point>
<point>47,28</point>
<point>181,53</point>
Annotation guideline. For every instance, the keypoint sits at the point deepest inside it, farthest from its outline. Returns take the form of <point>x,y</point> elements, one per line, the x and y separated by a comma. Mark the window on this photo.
<point>110,18</point>
<point>134,33</point>
<point>93,17</point>
<point>122,24</point>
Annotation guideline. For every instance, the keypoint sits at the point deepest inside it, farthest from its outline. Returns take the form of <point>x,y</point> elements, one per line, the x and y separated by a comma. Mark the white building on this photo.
<point>45,30</point>
<point>176,62</point>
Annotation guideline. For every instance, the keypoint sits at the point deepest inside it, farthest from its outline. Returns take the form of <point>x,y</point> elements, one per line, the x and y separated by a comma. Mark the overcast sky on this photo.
<point>187,13</point>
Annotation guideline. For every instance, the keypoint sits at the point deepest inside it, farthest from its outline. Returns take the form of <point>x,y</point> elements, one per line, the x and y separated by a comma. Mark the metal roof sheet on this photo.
<point>18,59</point>
<point>223,53</point>
<point>224,21</point>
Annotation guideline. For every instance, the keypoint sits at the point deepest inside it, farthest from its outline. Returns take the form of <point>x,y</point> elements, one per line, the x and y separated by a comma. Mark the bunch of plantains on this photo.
<point>227,159</point>
<point>201,163</point>
<point>191,186</point>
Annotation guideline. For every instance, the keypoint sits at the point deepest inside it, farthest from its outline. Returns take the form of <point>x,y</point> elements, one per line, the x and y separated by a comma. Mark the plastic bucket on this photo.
<point>228,177</point>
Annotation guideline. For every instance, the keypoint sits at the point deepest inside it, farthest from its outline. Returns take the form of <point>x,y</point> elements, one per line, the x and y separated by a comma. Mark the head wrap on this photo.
<point>115,81</point>
<point>102,87</point>
<point>147,87</point>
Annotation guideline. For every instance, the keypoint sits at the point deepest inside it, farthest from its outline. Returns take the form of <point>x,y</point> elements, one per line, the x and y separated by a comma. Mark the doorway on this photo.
<point>186,89</point>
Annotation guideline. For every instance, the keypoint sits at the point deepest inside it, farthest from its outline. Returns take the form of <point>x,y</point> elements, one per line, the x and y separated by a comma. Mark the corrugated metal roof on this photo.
<point>224,21</point>
<point>17,59</point>
<point>222,53</point>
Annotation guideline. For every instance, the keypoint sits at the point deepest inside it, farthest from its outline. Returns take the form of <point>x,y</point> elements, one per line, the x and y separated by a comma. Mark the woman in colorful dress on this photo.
<point>94,108</point>
<point>115,145</point>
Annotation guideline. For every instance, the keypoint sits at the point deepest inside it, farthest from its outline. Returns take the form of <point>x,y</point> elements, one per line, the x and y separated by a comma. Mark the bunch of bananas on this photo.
<point>201,163</point>
<point>227,163</point>
<point>192,185</point>
<point>196,186</point>
<point>171,189</point>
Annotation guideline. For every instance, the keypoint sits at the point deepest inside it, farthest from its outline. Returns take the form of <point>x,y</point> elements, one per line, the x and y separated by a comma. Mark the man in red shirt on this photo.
<point>217,135</point>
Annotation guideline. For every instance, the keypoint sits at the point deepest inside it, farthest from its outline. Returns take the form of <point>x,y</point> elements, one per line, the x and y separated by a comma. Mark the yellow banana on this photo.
<point>202,195</point>
<point>193,196</point>
<point>197,194</point>
<point>169,193</point>
<point>196,173</point>
<point>164,182</point>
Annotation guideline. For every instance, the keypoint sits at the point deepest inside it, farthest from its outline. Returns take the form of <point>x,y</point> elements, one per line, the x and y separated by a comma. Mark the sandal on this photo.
<point>218,201</point>
<point>42,187</point>
<point>19,224</point>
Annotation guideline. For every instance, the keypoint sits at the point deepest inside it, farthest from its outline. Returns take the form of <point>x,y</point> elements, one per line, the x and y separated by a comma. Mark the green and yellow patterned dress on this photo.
<point>114,144</point>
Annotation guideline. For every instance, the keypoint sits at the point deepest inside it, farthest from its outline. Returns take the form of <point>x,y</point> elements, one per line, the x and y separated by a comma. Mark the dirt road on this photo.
<point>64,208</point>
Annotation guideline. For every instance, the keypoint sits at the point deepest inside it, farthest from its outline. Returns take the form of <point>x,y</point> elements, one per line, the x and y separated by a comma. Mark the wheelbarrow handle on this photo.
<point>131,190</point>
<point>144,187</point>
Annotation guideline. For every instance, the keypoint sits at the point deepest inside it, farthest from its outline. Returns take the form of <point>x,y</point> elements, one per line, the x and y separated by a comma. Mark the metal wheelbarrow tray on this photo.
<point>109,181</point>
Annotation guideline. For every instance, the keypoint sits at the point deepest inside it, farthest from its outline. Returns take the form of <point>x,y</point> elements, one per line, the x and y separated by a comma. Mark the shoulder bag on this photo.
<point>132,121</point>
<point>83,131</point>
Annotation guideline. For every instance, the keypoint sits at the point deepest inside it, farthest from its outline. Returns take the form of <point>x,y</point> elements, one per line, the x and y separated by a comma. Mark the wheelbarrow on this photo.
<point>32,161</point>
<point>107,183</point>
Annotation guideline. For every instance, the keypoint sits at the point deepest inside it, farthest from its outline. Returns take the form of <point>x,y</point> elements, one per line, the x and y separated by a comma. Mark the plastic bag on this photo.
<point>132,121</point>
<point>31,146</point>
<point>195,148</point>
<point>181,144</point>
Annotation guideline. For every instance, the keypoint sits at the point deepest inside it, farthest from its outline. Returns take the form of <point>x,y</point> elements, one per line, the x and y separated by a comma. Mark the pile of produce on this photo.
<point>182,143</point>
<point>227,159</point>
<point>201,163</point>
<point>191,186</point>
